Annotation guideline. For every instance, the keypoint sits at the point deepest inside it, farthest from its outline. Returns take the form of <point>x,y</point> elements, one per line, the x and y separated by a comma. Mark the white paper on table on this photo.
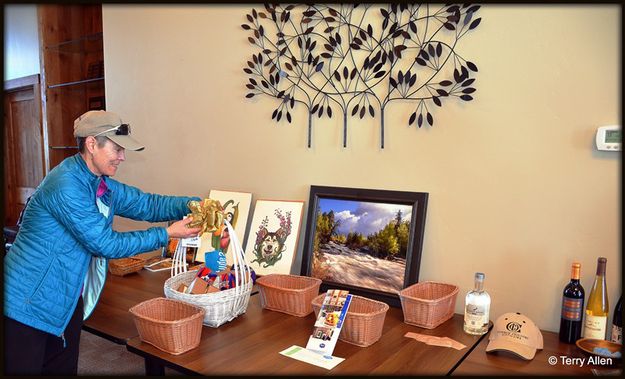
<point>324,361</point>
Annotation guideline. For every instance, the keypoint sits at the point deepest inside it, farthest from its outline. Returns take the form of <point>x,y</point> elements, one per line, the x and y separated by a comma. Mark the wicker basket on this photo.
<point>170,325</point>
<point>291,294</point>
<point>223,306</point>
<point>124,266</point>
<point>428,304</point>
<point>363,322</point>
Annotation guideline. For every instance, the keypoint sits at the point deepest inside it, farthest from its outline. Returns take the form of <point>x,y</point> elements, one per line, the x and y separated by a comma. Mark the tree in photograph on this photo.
<point>355,59</point>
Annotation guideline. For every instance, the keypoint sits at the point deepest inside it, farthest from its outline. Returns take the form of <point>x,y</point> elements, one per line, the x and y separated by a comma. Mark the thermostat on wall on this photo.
<point>609,138</point>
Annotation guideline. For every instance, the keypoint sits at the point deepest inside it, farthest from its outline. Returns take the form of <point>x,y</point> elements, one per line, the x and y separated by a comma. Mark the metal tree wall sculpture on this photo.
<point>358,58</point>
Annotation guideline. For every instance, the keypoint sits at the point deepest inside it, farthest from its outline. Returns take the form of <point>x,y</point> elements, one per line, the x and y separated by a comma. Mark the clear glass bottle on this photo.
<point>477,308</point>
<point>597,308</point>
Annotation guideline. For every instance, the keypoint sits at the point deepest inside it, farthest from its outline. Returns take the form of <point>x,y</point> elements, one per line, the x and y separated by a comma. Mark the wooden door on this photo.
<point>23,146</point>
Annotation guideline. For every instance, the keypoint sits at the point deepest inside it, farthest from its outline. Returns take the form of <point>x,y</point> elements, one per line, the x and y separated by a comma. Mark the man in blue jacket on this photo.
<point>56,268</point>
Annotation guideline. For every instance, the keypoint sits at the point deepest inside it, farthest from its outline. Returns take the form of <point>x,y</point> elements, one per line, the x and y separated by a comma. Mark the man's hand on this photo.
<point>179,229</point>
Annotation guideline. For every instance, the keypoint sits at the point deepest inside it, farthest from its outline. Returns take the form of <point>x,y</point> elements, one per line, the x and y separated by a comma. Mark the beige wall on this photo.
<point>517,189</point>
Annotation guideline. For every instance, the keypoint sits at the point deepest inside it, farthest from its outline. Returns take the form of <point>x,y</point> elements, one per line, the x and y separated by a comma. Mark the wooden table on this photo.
<point>250,345</point>
<point>111,319</point>
<point>479,362</point>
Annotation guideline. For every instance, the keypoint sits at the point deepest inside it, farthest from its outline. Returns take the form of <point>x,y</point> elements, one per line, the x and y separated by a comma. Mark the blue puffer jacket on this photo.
<point>63,229</point>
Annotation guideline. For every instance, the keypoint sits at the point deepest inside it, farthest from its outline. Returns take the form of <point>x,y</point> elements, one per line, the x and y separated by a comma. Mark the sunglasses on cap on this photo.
<point>121,130</point>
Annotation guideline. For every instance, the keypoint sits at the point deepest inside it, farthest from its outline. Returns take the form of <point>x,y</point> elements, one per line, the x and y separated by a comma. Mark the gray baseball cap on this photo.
<point>108,124</point>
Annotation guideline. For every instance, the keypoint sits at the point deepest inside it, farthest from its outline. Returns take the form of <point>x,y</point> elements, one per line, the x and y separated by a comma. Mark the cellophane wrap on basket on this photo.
<point>223,306</point>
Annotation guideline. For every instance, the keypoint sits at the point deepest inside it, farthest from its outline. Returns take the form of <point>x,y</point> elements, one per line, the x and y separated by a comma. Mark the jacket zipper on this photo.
<point>63,338</point>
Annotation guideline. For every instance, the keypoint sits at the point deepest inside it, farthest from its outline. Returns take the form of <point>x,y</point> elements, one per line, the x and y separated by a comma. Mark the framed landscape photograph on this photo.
<point>273,237</point>
<point>364,240</point>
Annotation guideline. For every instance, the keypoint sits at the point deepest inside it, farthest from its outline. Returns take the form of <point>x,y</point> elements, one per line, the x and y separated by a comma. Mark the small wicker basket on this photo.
<point>170,325</point>
<point>428,304</point>
<point>291,294</point>
<point>124,266</point>
<point>364,320</point>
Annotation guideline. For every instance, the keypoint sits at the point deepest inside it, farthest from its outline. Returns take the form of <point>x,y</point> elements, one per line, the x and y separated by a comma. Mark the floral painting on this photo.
<point>273,237</point>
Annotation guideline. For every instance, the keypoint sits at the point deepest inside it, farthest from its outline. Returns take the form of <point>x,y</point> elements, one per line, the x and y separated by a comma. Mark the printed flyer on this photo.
<point>329,322</point>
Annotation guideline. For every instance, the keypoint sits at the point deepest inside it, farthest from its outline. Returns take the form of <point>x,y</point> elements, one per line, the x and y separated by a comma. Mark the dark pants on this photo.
<point>29,351</point>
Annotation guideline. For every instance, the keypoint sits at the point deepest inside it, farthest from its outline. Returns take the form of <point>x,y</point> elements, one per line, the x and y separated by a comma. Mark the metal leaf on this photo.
<point>449,26</point>
<point>471,66</point>
<point>371,111</point>
<point>445,83</point>
<point>412,118</point>
<point>274,114</point>
<point>431,50</point>
<point>379,74</point>
<point>468,90</point>
<point>475,23</point>
<point>247,70</point>
<point>468,82</point>
<point>392,82</point>
<point>314,108</point>
<point>288,117</point>
<point>245,26</point>
<point>430,119</point>
<point>437,101</point>
<point>345,72</point>
<point>319,67</point>
<point>279,116</point>
<point>439,49</point>
<point>329,111</point>
<point>355,110</point>
<point>250,86</point>
<point>362,112</point>
<point>466,97</point>
<point>420,120</point>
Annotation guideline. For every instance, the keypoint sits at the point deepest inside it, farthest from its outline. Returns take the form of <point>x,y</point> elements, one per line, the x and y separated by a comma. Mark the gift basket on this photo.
<point>428,304</point>
<point>290,294</point>
<point>363,322</point>
<point>223,304</point>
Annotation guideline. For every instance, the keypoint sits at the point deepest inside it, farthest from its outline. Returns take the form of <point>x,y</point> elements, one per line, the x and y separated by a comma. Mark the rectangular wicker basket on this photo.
<point>124,266</point>
<point>364,320</point>
<point>291,294</point>
<point>428,304</point>
<point>170,325</point>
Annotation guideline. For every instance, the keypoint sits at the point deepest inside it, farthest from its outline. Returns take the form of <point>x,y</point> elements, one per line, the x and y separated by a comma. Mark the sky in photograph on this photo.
<point>361,216</point>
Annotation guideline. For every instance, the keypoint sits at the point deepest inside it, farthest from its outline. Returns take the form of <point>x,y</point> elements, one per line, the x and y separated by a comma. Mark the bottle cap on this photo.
<point>479,276</point>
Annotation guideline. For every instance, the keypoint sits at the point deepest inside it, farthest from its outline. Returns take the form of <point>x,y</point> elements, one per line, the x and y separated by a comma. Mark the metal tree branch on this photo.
<point>322,57</point>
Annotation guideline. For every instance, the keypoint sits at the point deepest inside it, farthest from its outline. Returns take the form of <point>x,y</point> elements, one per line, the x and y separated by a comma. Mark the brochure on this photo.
<point>329,322</point>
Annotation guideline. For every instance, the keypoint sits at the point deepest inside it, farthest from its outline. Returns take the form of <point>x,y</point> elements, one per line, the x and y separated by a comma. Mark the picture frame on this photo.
<point>273,236</point>
<point>360,239</point>
<point>237,208</point>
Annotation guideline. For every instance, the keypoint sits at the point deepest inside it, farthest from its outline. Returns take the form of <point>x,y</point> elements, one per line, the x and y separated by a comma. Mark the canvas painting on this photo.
<point>237,209</point>
<point>273,237</point>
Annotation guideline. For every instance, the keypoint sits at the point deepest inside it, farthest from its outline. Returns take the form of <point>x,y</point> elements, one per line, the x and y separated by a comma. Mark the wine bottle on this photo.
<point>617,323</point>
<point>572,308</point>
<point>597,308</point>
<point>477,308</point>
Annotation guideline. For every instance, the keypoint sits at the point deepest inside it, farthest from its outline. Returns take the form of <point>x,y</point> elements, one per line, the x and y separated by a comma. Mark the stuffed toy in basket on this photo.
<point>222,306</point>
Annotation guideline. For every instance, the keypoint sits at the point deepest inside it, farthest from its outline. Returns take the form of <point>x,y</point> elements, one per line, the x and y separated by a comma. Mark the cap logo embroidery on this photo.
<point>514,327</point>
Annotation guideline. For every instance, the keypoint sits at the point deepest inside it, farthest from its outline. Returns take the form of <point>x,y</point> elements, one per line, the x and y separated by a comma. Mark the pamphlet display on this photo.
<point>329,321</point>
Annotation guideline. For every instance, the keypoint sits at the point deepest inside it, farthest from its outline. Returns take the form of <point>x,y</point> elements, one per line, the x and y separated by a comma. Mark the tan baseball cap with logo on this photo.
<point>108,124</point>
<point>517,334</point>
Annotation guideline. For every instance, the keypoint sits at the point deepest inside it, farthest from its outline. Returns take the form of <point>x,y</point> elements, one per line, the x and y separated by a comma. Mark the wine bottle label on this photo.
<point>572,308</point>
<point>617,334</point>
<point>475,316</point>
<point>595,327</point>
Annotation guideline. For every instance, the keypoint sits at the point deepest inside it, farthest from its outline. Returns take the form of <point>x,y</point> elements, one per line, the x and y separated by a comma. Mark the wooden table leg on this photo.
<point>154,367</point>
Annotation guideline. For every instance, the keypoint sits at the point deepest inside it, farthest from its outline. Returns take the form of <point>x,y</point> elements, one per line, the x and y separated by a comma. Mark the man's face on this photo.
<point>107,158</point>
